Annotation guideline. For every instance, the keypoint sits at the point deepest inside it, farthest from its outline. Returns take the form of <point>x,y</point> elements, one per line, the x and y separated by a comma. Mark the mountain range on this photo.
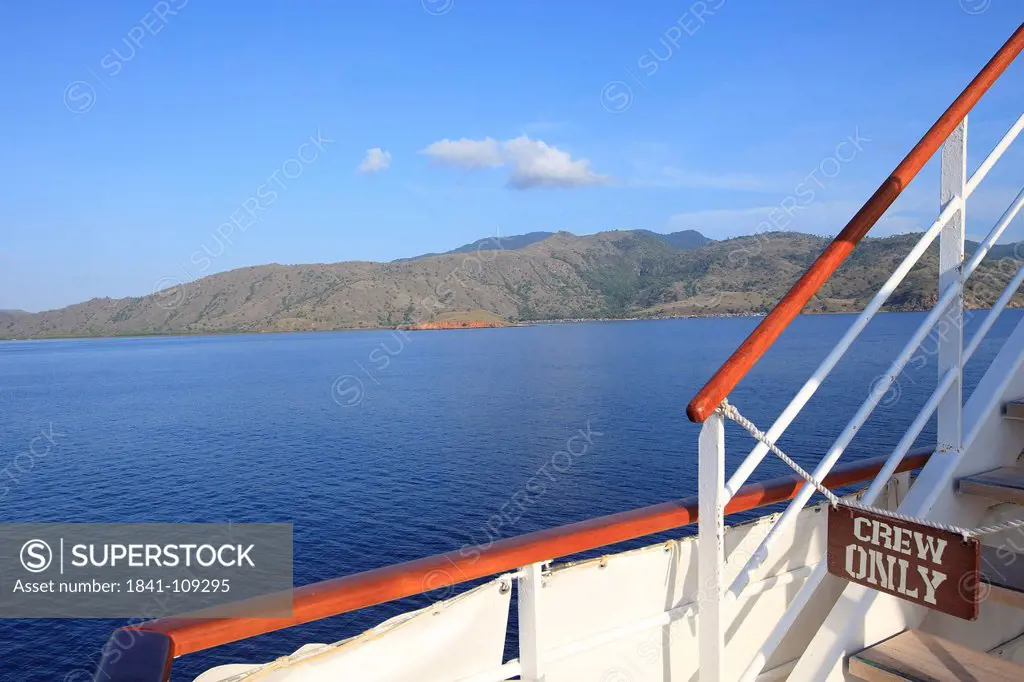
<point>529,277</point>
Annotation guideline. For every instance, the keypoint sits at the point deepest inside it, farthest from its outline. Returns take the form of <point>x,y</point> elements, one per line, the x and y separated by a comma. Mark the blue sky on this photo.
<point>136,130</point>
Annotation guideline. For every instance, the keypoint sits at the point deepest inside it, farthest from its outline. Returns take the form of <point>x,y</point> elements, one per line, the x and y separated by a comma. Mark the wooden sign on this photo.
<point>924,565</point>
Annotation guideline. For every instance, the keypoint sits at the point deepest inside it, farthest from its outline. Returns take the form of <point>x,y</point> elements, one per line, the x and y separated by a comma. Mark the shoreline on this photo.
<point>405,328</point>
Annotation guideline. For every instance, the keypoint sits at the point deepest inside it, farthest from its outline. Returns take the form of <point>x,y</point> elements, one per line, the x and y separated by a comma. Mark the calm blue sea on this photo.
<point>381,448</point>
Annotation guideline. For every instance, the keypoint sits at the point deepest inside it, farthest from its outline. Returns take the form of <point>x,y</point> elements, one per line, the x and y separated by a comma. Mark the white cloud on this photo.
<point>984,208</point>
<point>534,163</point>
<point>485,153</point>
<point>537,164</point>
<point>721,223</point>
<point>674,177</point>
<point>816,217</point>
<point>820,217</point>
<point>376,160</point>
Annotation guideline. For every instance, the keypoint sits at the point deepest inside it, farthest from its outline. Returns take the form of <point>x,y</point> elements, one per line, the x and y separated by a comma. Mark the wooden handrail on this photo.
<point>172,637</point>
<point>764,335</point>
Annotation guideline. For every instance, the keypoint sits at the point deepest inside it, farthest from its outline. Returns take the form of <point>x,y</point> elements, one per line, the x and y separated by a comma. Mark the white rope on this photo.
<point>729,411</point>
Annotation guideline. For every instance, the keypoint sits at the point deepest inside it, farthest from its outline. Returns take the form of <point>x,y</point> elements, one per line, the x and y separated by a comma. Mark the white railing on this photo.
<point>945,400</point>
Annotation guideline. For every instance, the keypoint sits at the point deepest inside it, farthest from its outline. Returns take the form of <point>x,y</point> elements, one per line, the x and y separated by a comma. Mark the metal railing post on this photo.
<point>950,328</point>
<point>711,549</point>
<point>530,586</point>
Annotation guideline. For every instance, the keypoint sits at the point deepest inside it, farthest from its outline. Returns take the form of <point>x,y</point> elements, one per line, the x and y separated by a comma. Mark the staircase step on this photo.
<point>1014,409</point>
<point>915,655</point>
<point>1002,485</point>
<point>1002,570</point>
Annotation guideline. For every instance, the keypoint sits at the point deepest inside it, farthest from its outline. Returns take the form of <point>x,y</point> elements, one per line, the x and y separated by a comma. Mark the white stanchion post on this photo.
<point>530,592</point>
<point>950,328</point>
<point>711,549</point>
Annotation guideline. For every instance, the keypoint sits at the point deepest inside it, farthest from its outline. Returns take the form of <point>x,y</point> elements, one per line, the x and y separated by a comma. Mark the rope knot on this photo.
<point>728,410</point>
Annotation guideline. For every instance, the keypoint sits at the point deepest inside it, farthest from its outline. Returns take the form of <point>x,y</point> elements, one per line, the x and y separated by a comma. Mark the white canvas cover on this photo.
<point>449,640</point>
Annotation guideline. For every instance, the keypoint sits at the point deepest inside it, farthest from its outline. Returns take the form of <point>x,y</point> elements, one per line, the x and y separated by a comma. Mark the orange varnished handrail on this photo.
<point>349,593</point>
<point>750,351</point>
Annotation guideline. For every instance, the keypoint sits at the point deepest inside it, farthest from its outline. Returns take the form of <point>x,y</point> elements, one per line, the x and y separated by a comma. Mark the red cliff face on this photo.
<point>466,324</point>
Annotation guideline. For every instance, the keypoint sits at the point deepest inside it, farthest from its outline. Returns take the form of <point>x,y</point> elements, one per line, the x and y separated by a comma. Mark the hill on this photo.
<point>686,239</point>
<point>9,316</point>
<point>513,243</point>
<point>563,276</point>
